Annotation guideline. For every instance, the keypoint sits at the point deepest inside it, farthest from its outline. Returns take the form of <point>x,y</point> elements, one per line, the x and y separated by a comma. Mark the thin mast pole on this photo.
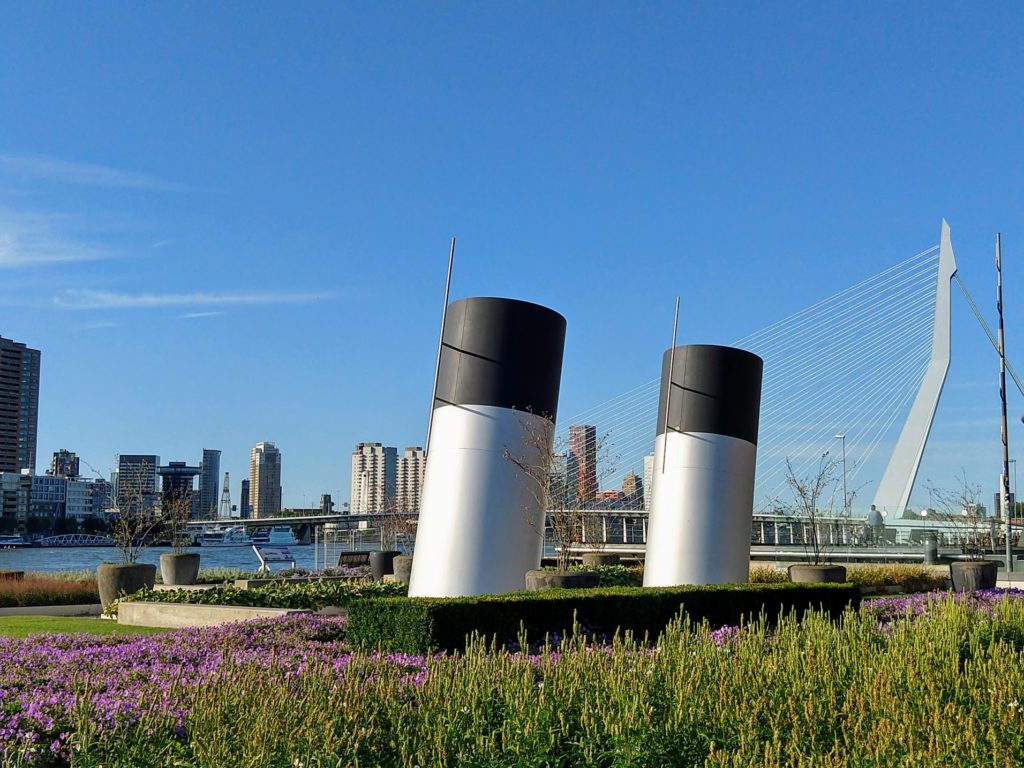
<point>668,396</point>
<point>440,344</point>
<point>1005,479</point>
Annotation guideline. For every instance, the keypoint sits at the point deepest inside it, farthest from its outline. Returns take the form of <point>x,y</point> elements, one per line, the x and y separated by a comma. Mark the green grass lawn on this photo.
<point>22,626</point>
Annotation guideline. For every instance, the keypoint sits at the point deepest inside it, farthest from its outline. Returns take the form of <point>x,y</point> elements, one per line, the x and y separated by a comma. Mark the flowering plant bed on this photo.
<point>290,692</point>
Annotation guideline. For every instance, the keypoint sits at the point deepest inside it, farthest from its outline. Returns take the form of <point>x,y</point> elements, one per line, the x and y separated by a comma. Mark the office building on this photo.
<point>79,498</point>
<point>409,479</point>
<point>15,494</point>
<point>19,406</point>
<point>64,464</point>
<point>583,448</point>
<point>997,503</point>
<point>176,482</point>
<point>136,481</point>
<point>209,488</point>
<point>265,480</point>
<point>326,504</point>
<point>632,491</point>
<point>374,476</point>
<point>244,509</point>
<point>102,496</point>
<point>648,480</point>
<point>47,496</point>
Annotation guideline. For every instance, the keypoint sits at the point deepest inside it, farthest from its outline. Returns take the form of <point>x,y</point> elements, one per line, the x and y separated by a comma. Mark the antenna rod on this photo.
<point>1004,480</point>
<point>440,344</point>
<point>668,396</point>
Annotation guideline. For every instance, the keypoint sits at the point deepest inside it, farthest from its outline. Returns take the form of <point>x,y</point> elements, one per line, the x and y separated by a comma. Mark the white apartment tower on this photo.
<point>648,480</point>
<point>374,469</point>
<point>409,483</point>
<point>265,480</point>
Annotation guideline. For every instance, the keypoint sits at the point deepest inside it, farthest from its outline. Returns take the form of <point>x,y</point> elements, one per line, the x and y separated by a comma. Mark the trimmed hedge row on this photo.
<point>423,625</point>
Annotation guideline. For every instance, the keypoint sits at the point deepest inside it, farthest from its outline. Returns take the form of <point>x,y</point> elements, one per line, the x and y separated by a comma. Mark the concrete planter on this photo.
<point>179,569</point>
<point>117,579</point>
<point>594,559</point>
<point>969,575</point>
<point>538,580</point>
<point>175,615</point>
<point>382,563</point>
<point>402,565</point>
<point>801,573</point>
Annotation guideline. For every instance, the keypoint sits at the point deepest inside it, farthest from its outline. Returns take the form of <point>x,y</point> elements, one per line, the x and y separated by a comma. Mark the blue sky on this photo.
<point>226,224</point>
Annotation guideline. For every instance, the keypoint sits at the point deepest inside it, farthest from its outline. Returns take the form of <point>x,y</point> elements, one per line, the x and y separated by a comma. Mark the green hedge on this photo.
<point>312,595</point>
<point>422,625</point>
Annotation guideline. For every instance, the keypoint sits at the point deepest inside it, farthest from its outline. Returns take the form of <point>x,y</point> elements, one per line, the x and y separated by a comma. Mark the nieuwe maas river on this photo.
<point>87,558</point>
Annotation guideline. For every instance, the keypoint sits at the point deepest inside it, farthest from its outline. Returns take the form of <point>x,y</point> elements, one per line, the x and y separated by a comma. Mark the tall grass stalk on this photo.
<point>942,689</point>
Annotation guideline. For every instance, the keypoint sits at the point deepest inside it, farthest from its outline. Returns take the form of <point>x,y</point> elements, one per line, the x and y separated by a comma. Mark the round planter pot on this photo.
<point>594,559</point>
<point>801,573</point>
<point>402,565</point>
<point>179,569</point>
<point>382,563</point>
<point>117,579</point>
<point>538,580</point>
<point>969,575</point>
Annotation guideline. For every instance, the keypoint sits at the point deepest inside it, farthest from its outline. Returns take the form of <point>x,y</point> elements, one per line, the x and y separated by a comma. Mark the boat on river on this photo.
<point>225,536</point>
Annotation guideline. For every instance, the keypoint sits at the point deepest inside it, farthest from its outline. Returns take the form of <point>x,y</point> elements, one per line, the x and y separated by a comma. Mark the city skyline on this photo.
<point>256,251</point>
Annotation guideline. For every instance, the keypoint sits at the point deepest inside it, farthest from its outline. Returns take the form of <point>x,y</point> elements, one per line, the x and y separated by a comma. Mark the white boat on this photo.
<point>10,540</point>
<point>278,535</point>
<point>225,536</point>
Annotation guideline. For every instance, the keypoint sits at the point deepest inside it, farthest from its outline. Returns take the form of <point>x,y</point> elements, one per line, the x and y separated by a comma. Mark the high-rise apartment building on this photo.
<point>244,509</point>
<point>19,406</point>
<point>136,481</point>
<point>374,475</point>
<point>648,480</point>
<point>64,464</point>
<point>265,480</point>
<point>583,448</point>
<point>209,490</point>
<point>409,479</point>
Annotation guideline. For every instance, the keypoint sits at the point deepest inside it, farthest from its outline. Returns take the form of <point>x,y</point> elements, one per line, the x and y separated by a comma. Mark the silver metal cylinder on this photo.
<point>704,460</point>
<point>481,518</point>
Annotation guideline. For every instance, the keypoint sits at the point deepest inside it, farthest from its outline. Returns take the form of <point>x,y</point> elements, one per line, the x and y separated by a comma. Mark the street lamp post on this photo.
<point>846,499</point>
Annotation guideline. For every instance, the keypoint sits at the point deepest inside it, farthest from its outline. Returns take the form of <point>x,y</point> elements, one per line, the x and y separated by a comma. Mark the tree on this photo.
<point>132,520</point>
<point>175,512</point>
<point>809,493</point>
<point>960,507</point>
<point>556,488</point>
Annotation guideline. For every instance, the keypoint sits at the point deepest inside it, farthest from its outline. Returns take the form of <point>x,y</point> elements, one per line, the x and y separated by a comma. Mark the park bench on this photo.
<point>268,555</point>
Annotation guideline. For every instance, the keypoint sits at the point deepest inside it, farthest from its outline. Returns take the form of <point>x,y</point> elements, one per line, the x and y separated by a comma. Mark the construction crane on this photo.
<point>225,498</point>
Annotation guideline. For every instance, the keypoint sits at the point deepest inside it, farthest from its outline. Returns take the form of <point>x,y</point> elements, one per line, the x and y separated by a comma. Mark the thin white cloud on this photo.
<point>28,240</point>
<point>90,299</point>
<point>195,315</point>
<point>87,174</point>
<point>101,324</point>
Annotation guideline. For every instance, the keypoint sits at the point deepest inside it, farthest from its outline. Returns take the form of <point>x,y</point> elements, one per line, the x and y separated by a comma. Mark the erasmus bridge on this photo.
<point>868,362</point>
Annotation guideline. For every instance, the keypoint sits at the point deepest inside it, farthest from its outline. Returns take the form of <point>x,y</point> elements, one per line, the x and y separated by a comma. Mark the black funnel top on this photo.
<point>501,352</point>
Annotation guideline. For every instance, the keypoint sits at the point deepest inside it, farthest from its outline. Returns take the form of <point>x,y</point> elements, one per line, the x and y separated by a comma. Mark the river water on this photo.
<point>87,558</point>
